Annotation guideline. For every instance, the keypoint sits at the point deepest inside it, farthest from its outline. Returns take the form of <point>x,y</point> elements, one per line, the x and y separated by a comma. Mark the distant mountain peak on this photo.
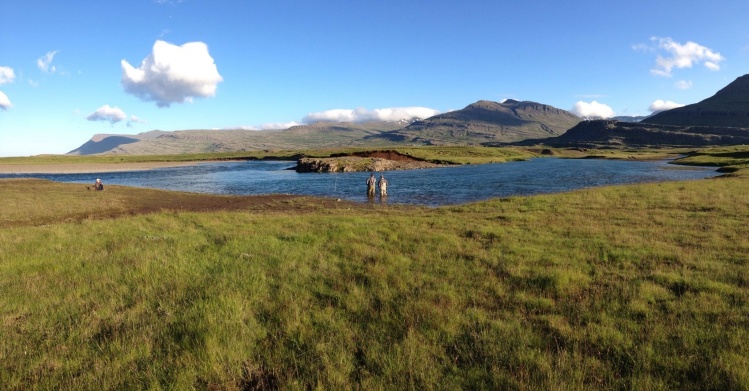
<point>729,107</point>
<point>736,92</point>
<point>487,121</point>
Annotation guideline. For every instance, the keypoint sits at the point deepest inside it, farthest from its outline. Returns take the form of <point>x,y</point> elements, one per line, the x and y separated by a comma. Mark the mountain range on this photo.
<point>719,120</point>
<point>729,107</point>
<point>722,119</point>
<point>477,123</point>
<point>486,121</point>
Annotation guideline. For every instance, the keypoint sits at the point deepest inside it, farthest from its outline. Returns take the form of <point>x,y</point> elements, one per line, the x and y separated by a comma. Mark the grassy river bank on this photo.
<point>628,287</point>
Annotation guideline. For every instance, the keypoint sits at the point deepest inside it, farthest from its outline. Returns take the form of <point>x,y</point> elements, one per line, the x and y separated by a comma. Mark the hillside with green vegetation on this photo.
<point>319,135</point>
<point>616,134</point>
<point>627,287</point>
<point>479,122</point>
<point>486,121</point>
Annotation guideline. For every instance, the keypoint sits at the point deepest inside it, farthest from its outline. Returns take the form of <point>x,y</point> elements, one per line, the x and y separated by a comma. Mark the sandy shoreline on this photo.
<point>85,168</point>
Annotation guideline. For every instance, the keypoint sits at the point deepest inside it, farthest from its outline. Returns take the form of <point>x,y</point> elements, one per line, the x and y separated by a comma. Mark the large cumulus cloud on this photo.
<point>392,114</point>
<point>592,110</point>
<point>172,74</point>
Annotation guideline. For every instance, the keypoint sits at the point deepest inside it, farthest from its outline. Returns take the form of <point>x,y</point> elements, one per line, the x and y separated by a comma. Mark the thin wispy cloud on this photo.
<point>590,96</point>
<point>592,110</point>
<point>171,2</point>
<point>135,120</point>
<point>392,114</point>
<point>172,74</point>
<point>45,62</point>
<point>674,55</point>
<point>269,126</point>
<point>683,84</point>
<point>7,75</point>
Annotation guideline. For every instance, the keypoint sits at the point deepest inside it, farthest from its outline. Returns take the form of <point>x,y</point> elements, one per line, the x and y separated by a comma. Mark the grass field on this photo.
<point>631,287</point>
<point>730,159</point>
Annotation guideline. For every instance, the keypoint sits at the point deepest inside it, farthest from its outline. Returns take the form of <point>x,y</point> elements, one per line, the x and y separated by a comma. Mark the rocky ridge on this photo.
<point>366,161</point>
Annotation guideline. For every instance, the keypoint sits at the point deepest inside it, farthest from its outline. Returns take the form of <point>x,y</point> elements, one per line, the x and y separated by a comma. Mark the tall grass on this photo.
<point>633,287</point>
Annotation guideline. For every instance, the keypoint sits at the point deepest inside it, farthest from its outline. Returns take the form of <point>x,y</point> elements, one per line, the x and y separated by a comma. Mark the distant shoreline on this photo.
<point>85,168</point>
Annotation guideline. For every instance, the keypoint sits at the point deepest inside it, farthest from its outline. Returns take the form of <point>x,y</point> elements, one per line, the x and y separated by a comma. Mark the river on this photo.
<point>432,187</point>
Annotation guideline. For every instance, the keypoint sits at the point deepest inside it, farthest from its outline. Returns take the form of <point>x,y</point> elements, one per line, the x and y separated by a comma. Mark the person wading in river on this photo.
<point>383,186</point>
<point>371,183</point>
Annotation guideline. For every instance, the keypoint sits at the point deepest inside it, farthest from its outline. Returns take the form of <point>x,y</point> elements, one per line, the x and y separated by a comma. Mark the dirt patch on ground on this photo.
<point>191,202</point>
<point>388,155</point>
<point>35,202</point>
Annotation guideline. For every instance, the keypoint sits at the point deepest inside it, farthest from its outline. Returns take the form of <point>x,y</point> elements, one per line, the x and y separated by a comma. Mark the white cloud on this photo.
<point>45,62</point>
<point>4,101</point>
<point>392,114</point>
<point>683,84</point>
<point>7,75</point>
<point>663,105</point>
<point>172,74</point>
<point>279,125</point>
<point>592,110</point>
<point>107,113</point>
<point>269,126</point>
<point>683,56</point>
<point>134,120</point>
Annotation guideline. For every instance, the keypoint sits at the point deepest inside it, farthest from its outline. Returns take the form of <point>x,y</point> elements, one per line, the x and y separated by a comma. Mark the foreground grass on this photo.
<point>633,287</point>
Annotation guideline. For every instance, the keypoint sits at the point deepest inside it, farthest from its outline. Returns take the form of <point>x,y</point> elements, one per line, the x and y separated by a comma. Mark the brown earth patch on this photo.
<point>388,155</point>
<point>33,202</point>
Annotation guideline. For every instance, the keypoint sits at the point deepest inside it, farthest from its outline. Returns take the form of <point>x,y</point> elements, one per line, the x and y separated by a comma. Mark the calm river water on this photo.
<point>433,187</point>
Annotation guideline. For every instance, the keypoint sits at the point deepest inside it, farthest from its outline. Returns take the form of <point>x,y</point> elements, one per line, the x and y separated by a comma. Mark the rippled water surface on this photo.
<point>436,186</point>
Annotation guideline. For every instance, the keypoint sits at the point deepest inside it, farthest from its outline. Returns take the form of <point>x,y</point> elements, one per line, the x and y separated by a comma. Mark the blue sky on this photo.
<point>72,69</point>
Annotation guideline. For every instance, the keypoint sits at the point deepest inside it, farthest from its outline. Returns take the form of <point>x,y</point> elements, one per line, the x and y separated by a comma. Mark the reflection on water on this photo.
<point>435,186</point>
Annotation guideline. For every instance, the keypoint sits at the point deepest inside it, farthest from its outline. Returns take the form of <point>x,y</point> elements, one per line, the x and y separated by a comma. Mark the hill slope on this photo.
<point>102,143</point>
<point>476,124</point>
<point>318,135</point>
<point>729,107</point>
<point>612,133</point>
<point>486,121</point>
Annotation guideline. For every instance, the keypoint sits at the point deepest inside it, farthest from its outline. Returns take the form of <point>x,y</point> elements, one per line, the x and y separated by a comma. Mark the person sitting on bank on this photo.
<point>383,186</point>
<point>371,183</point>
<point>98,185</point>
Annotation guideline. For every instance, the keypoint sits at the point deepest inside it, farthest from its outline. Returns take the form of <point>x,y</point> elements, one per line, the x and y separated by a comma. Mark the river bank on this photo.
<point>85,168</point>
